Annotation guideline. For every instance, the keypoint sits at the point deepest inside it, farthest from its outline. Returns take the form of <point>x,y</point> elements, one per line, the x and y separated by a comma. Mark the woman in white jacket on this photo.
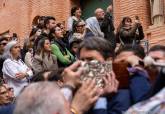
<point>15,71</point>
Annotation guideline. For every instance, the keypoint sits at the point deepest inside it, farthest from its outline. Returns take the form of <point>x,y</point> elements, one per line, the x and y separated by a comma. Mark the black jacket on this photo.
<point>107,27</point>
<point>130,35</point>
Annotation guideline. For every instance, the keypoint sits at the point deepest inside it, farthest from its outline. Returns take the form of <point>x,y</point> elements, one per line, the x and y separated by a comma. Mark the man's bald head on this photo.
<point>99,13</point>
<point>42,98</point>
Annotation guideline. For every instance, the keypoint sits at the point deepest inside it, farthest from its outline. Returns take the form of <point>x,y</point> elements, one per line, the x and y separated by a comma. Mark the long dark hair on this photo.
<point>73,10</point>
<point>33,31</point>
<point>52,32</point>
<point>122,24</point>
<point>40,46</point>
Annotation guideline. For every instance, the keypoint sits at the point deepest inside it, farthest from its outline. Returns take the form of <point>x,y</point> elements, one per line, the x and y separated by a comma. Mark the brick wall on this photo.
<point>132,8</point>
<point>17,15</point>
<point>156,35</point>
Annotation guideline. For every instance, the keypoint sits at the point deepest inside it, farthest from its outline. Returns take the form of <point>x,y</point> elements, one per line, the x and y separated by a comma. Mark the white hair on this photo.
<point>93,25</point>
<point>41,98</point>
<point>7,53</point>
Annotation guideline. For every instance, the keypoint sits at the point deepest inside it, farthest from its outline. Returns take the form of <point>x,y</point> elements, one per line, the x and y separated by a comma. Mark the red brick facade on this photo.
<point>141,8</point>
<point>17,15</point>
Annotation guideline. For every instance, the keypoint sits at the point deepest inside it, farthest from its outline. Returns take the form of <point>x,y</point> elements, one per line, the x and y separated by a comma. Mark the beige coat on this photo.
<point>44,63</point>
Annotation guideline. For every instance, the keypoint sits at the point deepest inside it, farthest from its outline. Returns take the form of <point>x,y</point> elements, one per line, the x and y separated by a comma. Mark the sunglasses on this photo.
<point>80,25</point>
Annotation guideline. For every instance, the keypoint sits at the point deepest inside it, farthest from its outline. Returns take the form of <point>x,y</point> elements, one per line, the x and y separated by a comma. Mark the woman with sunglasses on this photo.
<point>15,72</point>
<point>79,27</point>
<point>79,31</point>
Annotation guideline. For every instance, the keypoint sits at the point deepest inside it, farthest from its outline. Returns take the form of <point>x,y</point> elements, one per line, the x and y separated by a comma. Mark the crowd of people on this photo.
<point>44,77</point>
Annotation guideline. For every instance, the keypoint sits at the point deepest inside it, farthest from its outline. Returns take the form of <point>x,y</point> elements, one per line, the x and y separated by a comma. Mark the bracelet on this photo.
<point>74,111</point>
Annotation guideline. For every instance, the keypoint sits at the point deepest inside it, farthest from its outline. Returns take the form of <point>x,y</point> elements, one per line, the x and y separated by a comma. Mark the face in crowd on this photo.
<point>51,24</point>
<point>158,56</point>
<point>78,12</point>
<point>80,27</point>
<point>127,22</point>
<point>2,45</point>
<point>47,46</point>
<point>62,28</point>
<point>38,32</point>
<point>58,32</point>
<point>99,13</point>
<point>157,52</point>
<point>6,94</point>
<point>86,54</point>
<point>95,49</point>
<point>15,51</point>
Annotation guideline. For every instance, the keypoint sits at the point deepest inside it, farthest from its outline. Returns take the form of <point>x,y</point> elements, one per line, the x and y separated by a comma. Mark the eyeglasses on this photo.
<point>3,44</point>
<point>58,29</point>
<point>80,25</point>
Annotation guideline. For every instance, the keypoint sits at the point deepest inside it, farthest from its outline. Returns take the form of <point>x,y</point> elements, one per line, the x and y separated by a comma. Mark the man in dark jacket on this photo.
<point>106,24</point>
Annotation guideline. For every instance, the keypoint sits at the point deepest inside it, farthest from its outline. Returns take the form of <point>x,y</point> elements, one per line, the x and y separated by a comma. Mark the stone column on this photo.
<point>157,12</point>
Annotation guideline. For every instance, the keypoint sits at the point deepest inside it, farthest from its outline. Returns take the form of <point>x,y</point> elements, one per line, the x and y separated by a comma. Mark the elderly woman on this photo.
<point>43,59</point>
<point>93,28</point>
<point>15,71</point>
